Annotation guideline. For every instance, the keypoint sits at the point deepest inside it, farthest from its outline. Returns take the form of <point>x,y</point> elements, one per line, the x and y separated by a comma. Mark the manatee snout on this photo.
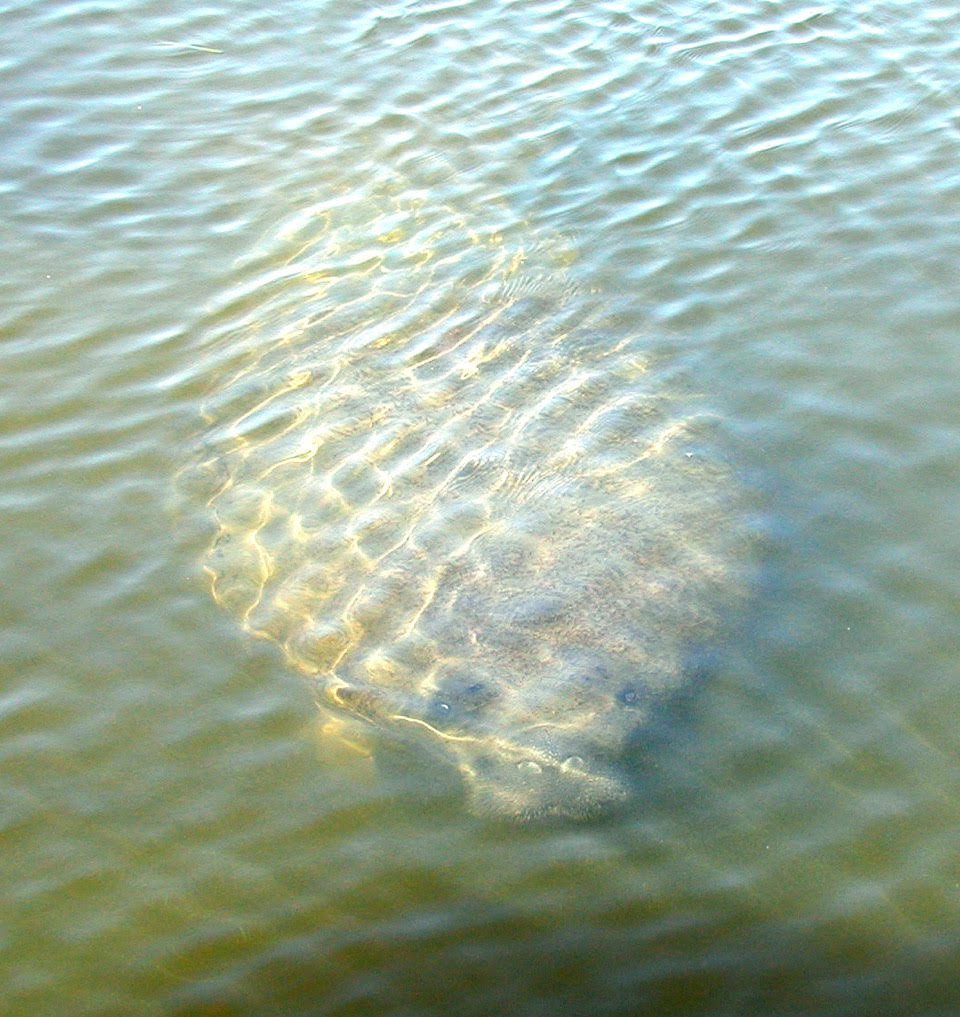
<point>528,786</point>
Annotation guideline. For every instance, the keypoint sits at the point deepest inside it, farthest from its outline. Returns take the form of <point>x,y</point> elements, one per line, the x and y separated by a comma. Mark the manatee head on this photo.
<point>536,726</point>
<point>519,783</point>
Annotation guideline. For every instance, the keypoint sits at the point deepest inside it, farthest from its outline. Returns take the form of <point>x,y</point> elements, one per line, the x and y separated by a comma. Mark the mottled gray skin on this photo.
<point>556,665</point>
<point>448,483</point>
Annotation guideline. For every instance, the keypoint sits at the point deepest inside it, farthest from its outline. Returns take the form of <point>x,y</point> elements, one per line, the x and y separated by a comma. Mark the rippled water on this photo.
<point>760,200</point>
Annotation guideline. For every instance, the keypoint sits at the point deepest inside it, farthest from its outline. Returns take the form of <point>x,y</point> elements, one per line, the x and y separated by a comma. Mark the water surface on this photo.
<point>768,192</point>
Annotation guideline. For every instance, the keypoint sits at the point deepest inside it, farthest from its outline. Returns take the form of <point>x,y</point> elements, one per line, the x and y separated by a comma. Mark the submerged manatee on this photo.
<point>448,483</point>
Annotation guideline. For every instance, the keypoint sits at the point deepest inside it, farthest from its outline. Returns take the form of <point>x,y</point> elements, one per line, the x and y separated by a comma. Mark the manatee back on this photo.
<point>452,486</point>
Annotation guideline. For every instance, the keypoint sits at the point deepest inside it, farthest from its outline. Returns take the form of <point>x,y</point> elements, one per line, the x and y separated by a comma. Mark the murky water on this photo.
<point>753,209</point>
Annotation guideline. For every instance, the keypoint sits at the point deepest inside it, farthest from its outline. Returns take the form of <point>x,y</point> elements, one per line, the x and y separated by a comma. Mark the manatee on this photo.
<point>452,484</point>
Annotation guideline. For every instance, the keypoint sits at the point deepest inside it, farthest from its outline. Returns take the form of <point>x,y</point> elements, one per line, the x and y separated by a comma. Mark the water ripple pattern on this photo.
<point>600,235</point>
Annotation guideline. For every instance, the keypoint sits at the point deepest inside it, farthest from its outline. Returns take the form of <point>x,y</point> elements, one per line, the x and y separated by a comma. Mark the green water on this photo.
<point>764,196</point>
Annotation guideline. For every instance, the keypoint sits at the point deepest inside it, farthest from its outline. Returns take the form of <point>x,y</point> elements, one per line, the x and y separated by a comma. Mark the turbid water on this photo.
<point>526,290</point>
